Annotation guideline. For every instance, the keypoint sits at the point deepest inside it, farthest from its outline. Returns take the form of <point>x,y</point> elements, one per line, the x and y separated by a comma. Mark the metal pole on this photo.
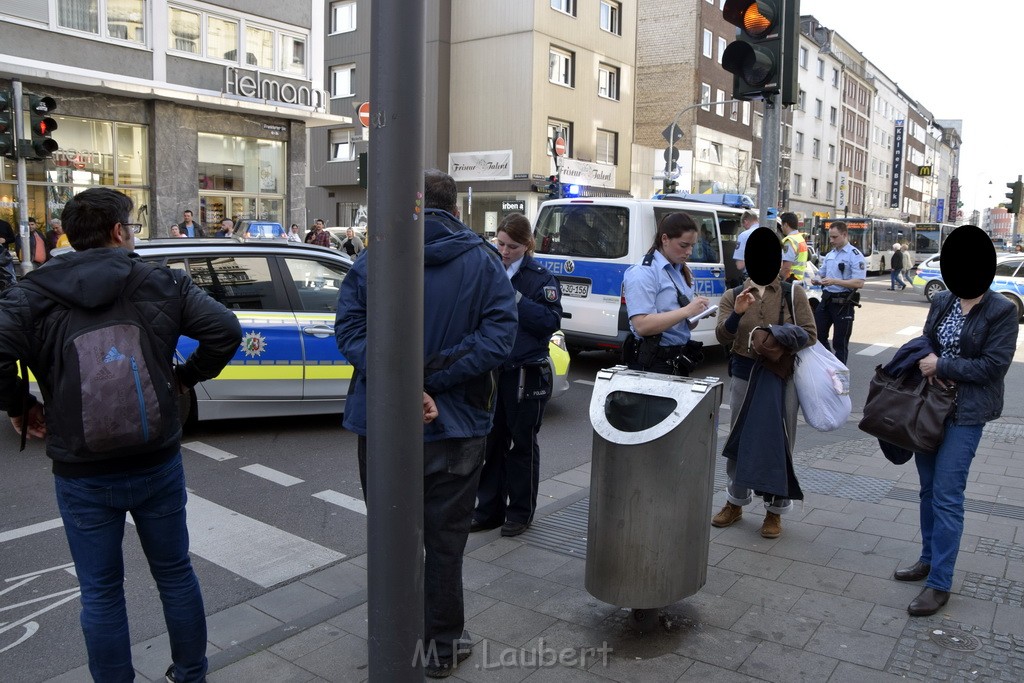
<point>19,134</point>
<point>771,157</point>
<point>395,342</point>
<point>675,126</point>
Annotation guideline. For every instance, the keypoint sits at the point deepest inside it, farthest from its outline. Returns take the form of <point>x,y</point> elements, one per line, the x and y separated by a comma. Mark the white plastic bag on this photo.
<point>823,388</point>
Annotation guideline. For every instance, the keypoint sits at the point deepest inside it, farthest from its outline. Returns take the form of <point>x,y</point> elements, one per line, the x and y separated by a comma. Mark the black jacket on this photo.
<point>32,329</point>
<point>540,312</point>
<point>897,260</point>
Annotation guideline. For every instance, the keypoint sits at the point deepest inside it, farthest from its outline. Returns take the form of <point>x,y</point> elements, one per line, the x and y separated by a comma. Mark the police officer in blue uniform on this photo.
<point>842,273</point>
<point>507,494</point>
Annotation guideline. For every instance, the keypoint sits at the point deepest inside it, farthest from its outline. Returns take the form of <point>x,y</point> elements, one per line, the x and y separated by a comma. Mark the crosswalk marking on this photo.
<point>912,331</point>
<point>272,475</point>
<point>583,381</point>
<point>208,450</point>
<point>874,350</point>
<point>261,553</point>
<point>340,499</point>
<point>31,529</point>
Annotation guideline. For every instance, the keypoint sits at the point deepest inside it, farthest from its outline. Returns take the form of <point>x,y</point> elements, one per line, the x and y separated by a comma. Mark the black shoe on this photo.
<point>475,526</point>
<point>513,528</point>
<point>169,676</point>
<point>446,668</point>
<point>914,572</point>
<point>930,601</point>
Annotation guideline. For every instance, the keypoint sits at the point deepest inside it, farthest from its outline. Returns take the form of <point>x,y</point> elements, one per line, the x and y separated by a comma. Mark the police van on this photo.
<point>588,243</point>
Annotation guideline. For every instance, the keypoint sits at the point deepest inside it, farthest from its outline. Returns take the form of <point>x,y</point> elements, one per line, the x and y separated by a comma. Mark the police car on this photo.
<point>285,296</point>
<point>1008,281</point>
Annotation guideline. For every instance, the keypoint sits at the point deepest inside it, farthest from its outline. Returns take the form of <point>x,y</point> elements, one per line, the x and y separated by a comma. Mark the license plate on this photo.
<point>575,289</point>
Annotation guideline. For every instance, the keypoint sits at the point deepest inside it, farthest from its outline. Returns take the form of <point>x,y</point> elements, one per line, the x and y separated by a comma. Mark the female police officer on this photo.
<point>659,299</point>
<point>507,495</point>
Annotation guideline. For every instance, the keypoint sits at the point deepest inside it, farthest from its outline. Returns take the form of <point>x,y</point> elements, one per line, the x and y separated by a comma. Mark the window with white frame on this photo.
<point>821,68</point>
<point>343,16</point>
<point>801,101</point>
<point>758,124</point>
<point>566,6</point>
<point>814,188</point>
<point>803,57</point>
<point>560,129</point>
<point>293,55</point>
<point>799,146</point>
<point>343,80</point>
<point>722,44</point>
<point>705,96</point>
<point>819,108</point>
<point>611,17</point>
<point>798,181</point>
<point>561,67</point>
<point>716,153</point>
<point>259,47</point>
<point>221,38</point>
<point>186,32</point>
<point>746,113</point>
<point>816,148</point>
<point>708,40</point>
<point>117,19</point>
<point>833,115</point>
<point>720,97</point>
<point>608,81</point>
<point>607,151</point>
<point>734,110</point>
<point>342,148</point>
<point>835,78</point>
<point>829,189</point>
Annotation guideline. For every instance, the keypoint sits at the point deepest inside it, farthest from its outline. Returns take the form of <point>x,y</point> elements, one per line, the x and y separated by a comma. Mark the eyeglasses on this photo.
<point>134,227</point>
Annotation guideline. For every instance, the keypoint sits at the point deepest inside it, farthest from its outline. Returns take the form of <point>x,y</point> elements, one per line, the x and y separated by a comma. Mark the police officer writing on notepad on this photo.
<point>842,273</point>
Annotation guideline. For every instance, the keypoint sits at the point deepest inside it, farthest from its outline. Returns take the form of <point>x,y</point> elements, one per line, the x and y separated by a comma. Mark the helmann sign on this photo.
<point>253,84</point>
<point>897,166</point>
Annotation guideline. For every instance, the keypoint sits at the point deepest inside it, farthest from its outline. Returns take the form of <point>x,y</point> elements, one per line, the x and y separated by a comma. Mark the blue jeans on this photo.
<point>895,278</point>
<point>93,510</point>
<point>943,481</point>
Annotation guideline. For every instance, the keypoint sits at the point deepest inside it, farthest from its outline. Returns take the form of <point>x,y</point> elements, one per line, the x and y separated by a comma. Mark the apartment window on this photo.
<point>343,17</point>
<point>708,40</point>
<point>608,81</point>
<point>803,58</point>
<point>560,129</point>
<point>293,55</point>
<point>746,113</point>
<point>798,181</point>
<point>715,151</point>
<point>821,68</point>
<point>819,108</point>
<point>221,38</point>
<point>816,148</point>
<point>734,111</point>
<point>829,189</point>
<point>722,44</point>
<point>801,101</point>
<point>561,67</point>
<point>835,78</point>
<point>799,146</point>
<point>342,148</point>
<point>833,115</point>
<point>758,124</point>
<point>720,97</point>
<point>814,188</point>
<point>705,96</point>
<point>611,17</point>
<point>566,6</point>
<point>119,19</point>
<point>343,80</point>
<point>607,147</point>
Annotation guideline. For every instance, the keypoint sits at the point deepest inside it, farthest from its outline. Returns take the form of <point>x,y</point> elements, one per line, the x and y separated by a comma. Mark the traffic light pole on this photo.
<point>771,157</point>
<point>19,134</point>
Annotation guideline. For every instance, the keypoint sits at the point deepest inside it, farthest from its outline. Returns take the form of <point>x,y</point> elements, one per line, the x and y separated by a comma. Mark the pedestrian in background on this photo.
<point>351,245</point>
<point>227,228</point>
<point>794,248</point>
<point>507,495</point>
<point>973,332</point>
<point>318,235</point>
<point>188,228</point>
<point>842,273</point>
<point>294,235</point>
<point>897,265</point>
<point>98,485</point>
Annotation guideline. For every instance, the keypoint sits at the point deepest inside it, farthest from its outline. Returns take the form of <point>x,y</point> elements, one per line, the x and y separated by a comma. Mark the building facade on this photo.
<point>180,104</point>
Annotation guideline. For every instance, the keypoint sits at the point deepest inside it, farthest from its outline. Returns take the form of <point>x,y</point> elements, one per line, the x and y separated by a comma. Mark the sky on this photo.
<point>960,59</point>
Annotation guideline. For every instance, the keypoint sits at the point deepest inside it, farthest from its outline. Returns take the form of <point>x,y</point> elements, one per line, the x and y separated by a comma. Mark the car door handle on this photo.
<point>320,331</point>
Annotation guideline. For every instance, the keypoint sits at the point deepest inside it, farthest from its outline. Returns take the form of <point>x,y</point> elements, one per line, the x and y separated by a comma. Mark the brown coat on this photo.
<point>763,312</point>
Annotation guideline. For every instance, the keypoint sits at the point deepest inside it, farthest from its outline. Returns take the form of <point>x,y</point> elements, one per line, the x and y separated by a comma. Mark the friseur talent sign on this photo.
<point>897,166</point>
<point>495,165</point>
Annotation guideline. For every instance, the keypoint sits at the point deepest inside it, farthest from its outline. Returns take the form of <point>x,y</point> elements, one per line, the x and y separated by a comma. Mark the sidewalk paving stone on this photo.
<point>851,540</point>
<point>346,659</point>
<point>264,666</point>
<point>775,662</point>
<point>755,564</point>
<point>237,624</point>
<point>816,577</point>
<point>521,589</point>
<point>716,646</point>
<point>886,621</point>
<point>881,527</point>
<point>832,608</point>
<point>765,594</point>
<point>870,563</point>
<point>789,629</point>
<point>708,673</point>
<point>509,624</point>
<point>292,601</point>
<point>852,645</point>
<point>531,560</point>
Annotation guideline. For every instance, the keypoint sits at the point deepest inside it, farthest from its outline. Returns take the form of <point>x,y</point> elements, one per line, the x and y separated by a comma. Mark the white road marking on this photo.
<point>272,475</point>
<point>340,499</point>
<point>31,529</point>
<point>208,450</point>
<point>913,331</point>
<point>874,350</point>
<point>265,555</point>
<point>584,381</point>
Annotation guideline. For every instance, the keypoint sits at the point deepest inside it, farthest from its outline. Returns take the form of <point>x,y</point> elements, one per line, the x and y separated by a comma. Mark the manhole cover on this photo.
<point>952,639</point>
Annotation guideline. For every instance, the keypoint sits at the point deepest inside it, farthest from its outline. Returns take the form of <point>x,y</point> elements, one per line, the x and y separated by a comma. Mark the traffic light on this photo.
<point>554,187</point>
<point>1017,189</point>
<point>669,186</point>
<point>42,126</point>
<point>363,170</point>
<point>763,58</point>
<point>8,141</point>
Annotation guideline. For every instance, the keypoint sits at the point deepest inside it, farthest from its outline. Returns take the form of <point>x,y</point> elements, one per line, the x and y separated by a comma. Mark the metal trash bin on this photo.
<point>651,482</point>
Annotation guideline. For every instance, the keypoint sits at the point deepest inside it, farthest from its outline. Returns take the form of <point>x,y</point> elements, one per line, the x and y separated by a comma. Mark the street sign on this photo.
<point>364,114</point>
<point>673,134</point>
<point>559,147</point>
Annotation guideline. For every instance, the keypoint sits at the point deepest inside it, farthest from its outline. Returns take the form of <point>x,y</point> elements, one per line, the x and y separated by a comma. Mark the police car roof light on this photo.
<point>740,201</point>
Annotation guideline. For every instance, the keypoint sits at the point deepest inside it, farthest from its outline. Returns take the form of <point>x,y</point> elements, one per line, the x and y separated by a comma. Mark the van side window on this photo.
<point>584,231</point>
<point>706,249</point>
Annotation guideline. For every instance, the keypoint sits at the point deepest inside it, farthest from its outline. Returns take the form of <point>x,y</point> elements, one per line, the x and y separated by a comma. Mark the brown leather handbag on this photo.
<point>907,411</point>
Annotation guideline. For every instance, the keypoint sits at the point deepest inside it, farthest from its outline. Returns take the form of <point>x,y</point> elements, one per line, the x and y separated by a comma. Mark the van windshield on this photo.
<point>583,231</point>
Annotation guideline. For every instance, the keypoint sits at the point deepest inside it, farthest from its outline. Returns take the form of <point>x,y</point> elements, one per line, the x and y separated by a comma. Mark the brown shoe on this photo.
<point>730,514</point>
<point>772,526</point>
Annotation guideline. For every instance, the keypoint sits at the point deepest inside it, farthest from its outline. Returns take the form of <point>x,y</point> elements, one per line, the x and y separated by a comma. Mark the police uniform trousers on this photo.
<point>511,473</point>
<point>830,316</point>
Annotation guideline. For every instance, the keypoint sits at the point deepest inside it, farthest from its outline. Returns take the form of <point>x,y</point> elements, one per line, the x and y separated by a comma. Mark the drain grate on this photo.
<point>985,507</point>
<point>564,531</point>
<point>952,639</point>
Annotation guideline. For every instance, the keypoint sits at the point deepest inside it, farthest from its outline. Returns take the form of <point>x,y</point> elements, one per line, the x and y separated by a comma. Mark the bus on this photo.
<point>928,239</point>
<point>874,238</point>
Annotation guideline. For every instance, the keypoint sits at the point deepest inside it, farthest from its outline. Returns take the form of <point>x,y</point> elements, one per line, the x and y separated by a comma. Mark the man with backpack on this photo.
<point>98,329</point>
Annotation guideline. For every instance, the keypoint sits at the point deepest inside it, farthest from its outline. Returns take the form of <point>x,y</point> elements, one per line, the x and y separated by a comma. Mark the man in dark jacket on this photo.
<point>468,330</point>
<point>96,489</point>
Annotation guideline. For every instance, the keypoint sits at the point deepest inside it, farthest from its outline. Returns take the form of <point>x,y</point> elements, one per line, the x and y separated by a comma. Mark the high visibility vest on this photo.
<point>796,240</point>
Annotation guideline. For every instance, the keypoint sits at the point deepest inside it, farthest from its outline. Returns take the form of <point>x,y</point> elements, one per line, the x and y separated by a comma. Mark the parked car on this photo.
<point>285,296</point>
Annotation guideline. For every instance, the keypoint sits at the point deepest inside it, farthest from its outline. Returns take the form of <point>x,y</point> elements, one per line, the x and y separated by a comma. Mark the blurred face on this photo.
<point>510,250</point>
<point>319,225</point>
<point>836,239</point>
<point>175,231</point>
<point>188,216</point>
<point>349,233</point>
<point>227,224</point>
<point>678,249</point>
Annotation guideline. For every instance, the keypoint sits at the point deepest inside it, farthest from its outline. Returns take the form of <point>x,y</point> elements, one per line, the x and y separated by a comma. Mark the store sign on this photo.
<point>897,166</point>
<point>78,159</point>
<point>255,85</point>
<point>842,195</point>
<point>495,165</point>
<point>587,173</point>
<point>513,206</point>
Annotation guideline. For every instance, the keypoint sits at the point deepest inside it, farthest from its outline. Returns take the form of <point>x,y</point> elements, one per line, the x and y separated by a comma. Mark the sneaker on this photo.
<point>772,526</point>
<point>446,668</point>
<point>727,516</point>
